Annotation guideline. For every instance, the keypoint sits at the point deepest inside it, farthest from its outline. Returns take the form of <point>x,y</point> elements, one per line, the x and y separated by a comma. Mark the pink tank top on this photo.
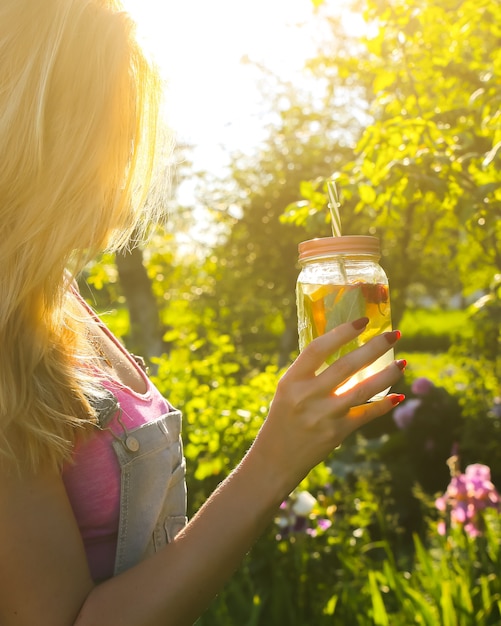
<point>92,480</point>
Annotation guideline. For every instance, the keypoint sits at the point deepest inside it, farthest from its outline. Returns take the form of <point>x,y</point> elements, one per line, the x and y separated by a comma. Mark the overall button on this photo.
<point>132,444</point>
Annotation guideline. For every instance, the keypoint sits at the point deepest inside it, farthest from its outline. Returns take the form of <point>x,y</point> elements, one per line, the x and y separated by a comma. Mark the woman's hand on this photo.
<point>307,418</point>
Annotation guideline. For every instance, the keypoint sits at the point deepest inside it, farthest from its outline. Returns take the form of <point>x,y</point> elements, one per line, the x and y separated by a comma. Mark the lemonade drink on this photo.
<point>340,288</point>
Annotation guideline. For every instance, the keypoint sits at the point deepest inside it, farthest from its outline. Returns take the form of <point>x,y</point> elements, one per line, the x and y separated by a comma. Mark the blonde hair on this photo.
<point>79,109</point>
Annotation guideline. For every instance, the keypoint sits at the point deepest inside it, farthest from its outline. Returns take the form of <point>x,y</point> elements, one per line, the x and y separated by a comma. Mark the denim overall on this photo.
<point>152,486</point>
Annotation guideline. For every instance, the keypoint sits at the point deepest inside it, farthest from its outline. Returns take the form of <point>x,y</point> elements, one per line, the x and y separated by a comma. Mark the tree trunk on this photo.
<point>146,331</point>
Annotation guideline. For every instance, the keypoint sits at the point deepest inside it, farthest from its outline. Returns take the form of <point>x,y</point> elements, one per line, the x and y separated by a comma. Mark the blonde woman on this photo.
<point>92,491</point>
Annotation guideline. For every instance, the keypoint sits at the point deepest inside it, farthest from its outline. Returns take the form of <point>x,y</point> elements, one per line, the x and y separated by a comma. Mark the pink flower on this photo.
<point>467,496</point>
<point>404,413</point>
<point>477,471</point>
<point>422,386</point>
<point>441,503</point>
<point>472,530</point>
<point>324,524</point>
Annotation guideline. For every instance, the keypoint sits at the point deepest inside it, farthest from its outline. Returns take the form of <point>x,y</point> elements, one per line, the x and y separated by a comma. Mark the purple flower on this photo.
<point>467,496</point>
<point>322,524</point>
<point>404,413</point>
<point>478,472</point>
<point>297,516</point>
<point>422,386</point>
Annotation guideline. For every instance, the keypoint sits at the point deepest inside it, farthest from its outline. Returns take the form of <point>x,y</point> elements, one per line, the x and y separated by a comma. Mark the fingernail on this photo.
<point>360,323</point>
<point>393,336</point>
<point>397,399</point>
<point>401,364</point>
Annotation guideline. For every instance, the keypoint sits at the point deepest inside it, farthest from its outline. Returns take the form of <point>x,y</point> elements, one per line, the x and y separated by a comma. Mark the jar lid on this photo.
<point>347,244</point>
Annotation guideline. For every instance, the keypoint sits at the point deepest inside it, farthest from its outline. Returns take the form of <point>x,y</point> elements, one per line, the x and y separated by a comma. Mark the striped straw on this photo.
<point>334,205</point>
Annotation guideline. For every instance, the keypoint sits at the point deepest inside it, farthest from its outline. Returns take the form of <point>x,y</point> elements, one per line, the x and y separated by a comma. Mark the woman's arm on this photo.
<point>50,585</point>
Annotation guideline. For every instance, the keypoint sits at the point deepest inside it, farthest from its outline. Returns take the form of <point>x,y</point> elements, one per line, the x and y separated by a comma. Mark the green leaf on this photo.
<point>422,606</point>
<point>447,606</point>
<point>367,194</point>
<point>349,307</point>
<point>380,614</point>
<point>330,607</point>
<point>383,80</point>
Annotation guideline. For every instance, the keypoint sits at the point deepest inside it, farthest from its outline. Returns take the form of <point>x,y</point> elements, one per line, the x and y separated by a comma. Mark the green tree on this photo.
<point>426,170</point>
<point>255,262</point>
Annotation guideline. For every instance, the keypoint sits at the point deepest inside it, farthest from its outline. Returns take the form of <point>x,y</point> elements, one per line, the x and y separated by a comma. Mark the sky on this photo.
<point>212,99</point>
<point>214,104</point>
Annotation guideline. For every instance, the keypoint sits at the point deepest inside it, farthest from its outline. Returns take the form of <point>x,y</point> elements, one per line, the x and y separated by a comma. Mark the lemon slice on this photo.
<point>317,292</point>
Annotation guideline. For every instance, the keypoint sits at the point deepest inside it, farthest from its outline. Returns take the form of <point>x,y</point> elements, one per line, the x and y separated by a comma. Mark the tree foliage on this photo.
<point>256,261</point>
<point>426,171</point>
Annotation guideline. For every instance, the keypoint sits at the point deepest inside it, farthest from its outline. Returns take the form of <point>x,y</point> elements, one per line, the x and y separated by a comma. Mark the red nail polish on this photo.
<point>393,336</point>
<point>397,399</point>
<point>401,364</point>
<point>360,323</point>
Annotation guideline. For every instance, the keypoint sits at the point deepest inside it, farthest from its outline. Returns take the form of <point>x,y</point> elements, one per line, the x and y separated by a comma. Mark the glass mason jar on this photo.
<point>340,281</point>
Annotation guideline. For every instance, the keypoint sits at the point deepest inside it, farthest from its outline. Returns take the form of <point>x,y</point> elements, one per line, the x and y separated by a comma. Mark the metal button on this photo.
<point>132,444</point>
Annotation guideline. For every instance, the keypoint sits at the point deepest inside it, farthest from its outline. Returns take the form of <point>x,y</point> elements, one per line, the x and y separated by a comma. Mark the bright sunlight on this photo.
<point>213,100</point>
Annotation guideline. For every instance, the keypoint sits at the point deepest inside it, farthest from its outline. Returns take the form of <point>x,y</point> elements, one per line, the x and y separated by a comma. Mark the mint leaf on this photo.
<point>349,307</point>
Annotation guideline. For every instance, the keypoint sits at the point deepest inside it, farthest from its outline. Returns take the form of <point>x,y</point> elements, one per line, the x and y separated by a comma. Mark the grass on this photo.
<point>432,330</point>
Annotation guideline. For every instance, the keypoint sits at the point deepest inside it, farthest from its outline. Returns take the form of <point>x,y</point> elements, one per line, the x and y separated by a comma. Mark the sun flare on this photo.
<point>199,46</point>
